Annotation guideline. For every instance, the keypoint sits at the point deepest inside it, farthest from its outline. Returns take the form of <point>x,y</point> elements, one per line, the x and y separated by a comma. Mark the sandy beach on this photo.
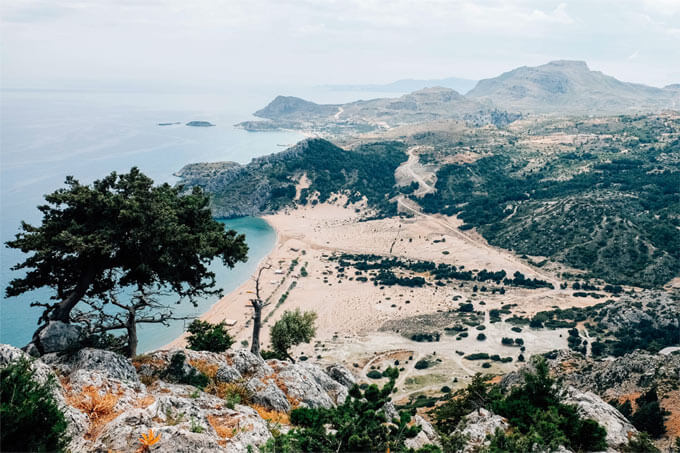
<point>353,313</point>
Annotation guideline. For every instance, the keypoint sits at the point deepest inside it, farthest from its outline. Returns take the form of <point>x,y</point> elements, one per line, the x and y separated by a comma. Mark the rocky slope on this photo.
<point>109,401</point>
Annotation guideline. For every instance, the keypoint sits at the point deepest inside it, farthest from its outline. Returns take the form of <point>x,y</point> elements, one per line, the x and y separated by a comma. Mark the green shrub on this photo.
<point>649,416</point>
<point>391,373</point>
<point>175,372</point>
<point>204,336</point>
<point>374,374</point>
<point>422,364</point>
<point>481,337</point>
<point>538,420</point>
<point>477,356</point>
<point>31,418</point>
<point>359,424</point>
<point>466,308</point>
<point>641,444</point>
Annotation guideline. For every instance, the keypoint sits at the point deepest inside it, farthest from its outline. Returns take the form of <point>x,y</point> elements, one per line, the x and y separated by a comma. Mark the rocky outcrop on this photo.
<point>477,426</point>
<point>268,395</point>
<point>109,401</point>
<point>307,385</point>
<point>227,373</point>
<point>631,373</point>
<point>248,364</point>
<point>341,374</point>
<point>109,364</point>
<point>619,430</point>
<point>426,436</point>
<point>58,336</point>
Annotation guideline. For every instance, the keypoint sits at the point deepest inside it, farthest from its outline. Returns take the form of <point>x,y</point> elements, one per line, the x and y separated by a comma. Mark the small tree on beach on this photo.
<point>293,328</point>
<point>122,242</point>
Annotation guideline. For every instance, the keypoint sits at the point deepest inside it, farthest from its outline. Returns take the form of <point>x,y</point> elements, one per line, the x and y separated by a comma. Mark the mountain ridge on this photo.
<point>562,87</point>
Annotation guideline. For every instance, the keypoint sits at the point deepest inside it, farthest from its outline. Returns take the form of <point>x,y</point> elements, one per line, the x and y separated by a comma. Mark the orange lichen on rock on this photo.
<point>226,427</point>
<point>145,401</point>
<point>205,367</point>
<point>140,360</point>
<point>272,415</point>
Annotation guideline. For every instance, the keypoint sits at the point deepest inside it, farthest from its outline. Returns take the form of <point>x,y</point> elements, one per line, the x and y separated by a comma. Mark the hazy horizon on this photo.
<point>167,44</point>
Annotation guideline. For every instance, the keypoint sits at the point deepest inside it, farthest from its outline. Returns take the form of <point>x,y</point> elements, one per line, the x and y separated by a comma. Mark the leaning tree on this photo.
<point>121,242</point>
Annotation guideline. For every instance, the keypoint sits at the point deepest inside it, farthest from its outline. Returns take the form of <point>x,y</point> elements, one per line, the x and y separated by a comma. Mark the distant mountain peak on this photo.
<point>574,64</point>
<point>567,86</point>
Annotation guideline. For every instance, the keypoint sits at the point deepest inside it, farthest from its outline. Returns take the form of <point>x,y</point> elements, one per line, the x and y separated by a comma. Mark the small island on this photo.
<point>168,124</point>
<point>200,124</point>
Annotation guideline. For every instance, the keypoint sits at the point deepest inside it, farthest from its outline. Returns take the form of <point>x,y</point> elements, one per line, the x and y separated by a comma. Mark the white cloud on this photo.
<point>330,40</point>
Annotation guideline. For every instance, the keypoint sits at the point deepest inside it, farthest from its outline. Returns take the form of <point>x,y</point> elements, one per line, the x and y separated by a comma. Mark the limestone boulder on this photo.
<point>58,336</point>
<point>619,429</point>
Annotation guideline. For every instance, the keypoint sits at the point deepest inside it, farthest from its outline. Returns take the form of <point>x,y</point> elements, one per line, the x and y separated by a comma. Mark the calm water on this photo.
<point>47,135</point>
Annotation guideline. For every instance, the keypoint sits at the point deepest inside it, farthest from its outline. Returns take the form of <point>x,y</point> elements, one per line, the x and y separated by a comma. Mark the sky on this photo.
<point>213,43</point>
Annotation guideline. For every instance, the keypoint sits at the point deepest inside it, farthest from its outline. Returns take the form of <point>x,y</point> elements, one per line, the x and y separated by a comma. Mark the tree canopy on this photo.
<point>122,233</point>
<point>293,328</point>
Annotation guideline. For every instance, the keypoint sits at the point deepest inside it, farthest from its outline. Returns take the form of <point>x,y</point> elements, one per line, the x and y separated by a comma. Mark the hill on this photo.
<point>569,87</point>
<point>428,104</point>
<point>271,182</point>
<point>556,88</point>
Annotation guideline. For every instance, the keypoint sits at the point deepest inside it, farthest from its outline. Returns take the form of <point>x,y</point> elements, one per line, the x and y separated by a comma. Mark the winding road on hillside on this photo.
<point>408,170</point>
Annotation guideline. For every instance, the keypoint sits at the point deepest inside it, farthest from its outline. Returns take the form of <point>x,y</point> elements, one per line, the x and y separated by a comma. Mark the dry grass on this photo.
<point>671,402</point>
<point>205,367</point>
<point>148,380</point>
<point>96,404</point>
<point>226,389</point>
<point>272,415</point>
<point>145,401</point>
<point>140,360</point>
<point>226,427</point>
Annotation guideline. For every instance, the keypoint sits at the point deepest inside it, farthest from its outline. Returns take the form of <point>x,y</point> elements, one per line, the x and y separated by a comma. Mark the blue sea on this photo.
<point>46,135</point>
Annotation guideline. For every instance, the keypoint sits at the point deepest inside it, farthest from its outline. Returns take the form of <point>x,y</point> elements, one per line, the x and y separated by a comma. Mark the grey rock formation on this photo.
<point>427,434</point>
<point>479,424</point>
<point>109,364</point>
<point>390,411</point>
<point>630,373</point>
<point>304,387</point>
<point>248,364</point>
<point>619,430</point>
<point>341,374</point>
<point>334,389</point>
<point>268,395</point>
<point>58,336</point>
<point>227,373</point>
